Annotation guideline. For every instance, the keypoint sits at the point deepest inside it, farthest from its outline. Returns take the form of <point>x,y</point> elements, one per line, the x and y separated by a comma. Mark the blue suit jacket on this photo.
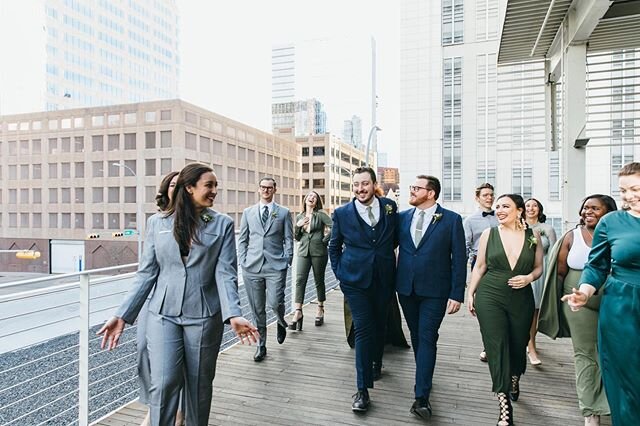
<point>438,266</point>
<point>353,253</point>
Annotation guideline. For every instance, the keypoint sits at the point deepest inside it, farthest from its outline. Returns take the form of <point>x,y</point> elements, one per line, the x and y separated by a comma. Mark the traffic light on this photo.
<point>92,236</point>
<point>28,254</point>
<point>117,234</point>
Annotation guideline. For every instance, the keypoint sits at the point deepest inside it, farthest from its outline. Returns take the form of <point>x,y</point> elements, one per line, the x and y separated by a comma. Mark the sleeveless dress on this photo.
<point>505,314</point>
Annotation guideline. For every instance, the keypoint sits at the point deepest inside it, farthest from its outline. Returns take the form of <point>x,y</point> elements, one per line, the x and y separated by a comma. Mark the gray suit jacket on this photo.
<point>205,285</point>
<point>271,244</point>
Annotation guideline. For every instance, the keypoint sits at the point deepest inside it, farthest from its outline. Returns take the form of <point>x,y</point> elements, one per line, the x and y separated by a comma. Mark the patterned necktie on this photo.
<point>372,218</point>
<point>418,233</point>
<point>265,215</point>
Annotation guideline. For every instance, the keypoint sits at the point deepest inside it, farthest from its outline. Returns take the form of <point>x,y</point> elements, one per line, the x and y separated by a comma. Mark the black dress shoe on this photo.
<point>282,333</point>
<point>360,401</point>
<point>377,371</point>
<point>421,408</point>
<point>261,352</point>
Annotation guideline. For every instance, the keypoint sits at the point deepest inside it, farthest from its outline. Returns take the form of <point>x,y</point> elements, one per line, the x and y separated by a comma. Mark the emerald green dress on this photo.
<point>505,314</point>
<point>614,262</point>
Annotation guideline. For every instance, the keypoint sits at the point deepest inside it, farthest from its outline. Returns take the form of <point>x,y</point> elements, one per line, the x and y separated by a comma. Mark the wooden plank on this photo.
<point>311,377</point>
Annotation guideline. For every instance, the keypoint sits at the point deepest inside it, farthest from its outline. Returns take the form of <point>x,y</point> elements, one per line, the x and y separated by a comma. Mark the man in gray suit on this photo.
<point>265,248</point>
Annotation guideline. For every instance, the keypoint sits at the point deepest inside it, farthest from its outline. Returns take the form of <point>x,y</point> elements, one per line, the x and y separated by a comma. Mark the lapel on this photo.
<point>406,225</point>
<point>199,250</point>
<point>432,227</point>
<point>383,216</point>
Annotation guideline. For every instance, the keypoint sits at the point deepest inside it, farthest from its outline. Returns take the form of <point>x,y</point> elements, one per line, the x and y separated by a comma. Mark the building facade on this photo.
<point>304,117</point>
<point>468,121</point>
<point>59,180</point>
<point>79,54</point>
<point>352,132</point>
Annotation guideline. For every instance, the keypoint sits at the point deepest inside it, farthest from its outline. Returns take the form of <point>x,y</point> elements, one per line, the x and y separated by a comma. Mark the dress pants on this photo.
<point>305,263</point>
<point>424,316</point>
<point>369,311</point>
<point>182,347</point>
<point>144,370</point>
<point>265,288</point>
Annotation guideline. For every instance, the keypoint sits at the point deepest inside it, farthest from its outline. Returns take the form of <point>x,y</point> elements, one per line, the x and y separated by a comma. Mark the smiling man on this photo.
<point>361,249</point>
<point>265,251</point>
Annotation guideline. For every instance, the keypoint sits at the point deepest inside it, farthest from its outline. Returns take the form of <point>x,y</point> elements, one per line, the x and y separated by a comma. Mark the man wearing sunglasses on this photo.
<point>430,277</point>
<point>265,251</point>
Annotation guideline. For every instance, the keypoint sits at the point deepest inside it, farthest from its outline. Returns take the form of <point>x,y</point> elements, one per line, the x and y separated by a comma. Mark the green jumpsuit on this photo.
<point>505,314</point>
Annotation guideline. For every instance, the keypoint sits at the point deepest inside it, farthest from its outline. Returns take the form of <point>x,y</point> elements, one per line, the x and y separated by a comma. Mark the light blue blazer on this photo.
<point>205,285</point>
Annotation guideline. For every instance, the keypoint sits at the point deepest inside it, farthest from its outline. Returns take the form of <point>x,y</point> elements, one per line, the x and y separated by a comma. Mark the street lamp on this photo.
<point>139,214</point>
<point>366,154</point>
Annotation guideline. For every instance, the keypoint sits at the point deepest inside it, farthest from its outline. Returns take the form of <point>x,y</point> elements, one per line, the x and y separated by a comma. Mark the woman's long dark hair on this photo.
<point>185,217</point>
<point>518,201</point>
<point>162,198</point>
<point>542,218</point>
<point>608,202</point>
<point>318,202</point>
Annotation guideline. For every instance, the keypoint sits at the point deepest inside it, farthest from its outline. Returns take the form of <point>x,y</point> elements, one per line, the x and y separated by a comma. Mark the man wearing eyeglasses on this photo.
<point>265,251</point>
<point>361,249</point>
<point>430,278</point>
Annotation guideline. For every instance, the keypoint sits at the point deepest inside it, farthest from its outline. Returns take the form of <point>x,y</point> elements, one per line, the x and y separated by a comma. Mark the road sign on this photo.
<point>128,232</point>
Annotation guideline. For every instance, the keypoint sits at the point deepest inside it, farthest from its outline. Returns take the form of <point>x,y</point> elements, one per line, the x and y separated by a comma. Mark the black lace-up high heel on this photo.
<point>506,411</point>
<point>514,393</point>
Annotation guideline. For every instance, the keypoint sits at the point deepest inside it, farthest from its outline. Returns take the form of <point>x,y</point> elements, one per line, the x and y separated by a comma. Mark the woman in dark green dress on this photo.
<point>614,268</point>
<point>509,260</point>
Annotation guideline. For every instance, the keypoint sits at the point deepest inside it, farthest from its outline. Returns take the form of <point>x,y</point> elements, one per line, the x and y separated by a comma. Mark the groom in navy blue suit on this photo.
<point>363,239</point>
<point>430,279</point>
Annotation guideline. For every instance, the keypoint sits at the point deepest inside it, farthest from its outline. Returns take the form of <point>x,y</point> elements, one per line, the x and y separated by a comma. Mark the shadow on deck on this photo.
<point>310,379</point>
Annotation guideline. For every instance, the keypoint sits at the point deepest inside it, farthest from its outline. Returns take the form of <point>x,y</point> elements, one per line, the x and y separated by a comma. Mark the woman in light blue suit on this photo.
<point>190,263</point>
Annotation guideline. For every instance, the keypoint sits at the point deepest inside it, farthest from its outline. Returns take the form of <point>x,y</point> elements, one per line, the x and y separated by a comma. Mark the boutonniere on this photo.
<point>436,217</point>
<point>274,214</point>
<point>388,209</point>
<point>206,217</point>
<point>532,240</point>
<point>541,232</point>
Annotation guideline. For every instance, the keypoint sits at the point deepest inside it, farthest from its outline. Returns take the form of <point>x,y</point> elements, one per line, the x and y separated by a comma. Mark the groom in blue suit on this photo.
<point>430,279</point>
<point>363,240</point>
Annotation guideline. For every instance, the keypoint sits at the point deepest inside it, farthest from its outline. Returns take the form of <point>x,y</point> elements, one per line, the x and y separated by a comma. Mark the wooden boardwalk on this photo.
<point>309,380</point>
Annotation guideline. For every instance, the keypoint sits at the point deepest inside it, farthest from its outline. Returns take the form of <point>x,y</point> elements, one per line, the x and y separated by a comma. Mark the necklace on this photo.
<point>588,232</point>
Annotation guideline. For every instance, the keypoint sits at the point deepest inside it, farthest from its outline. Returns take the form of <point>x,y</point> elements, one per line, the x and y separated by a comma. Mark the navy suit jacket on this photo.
<point>438,266</point>
<point>353,252</point>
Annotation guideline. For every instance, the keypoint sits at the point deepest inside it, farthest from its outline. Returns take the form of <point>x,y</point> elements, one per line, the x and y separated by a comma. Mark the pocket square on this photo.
<point>164,232</point>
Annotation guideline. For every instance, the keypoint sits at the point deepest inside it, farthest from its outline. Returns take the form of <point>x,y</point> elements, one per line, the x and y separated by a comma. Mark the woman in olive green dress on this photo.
<point>312,231</point>
<point>509,260</point>
<point>614,268</point>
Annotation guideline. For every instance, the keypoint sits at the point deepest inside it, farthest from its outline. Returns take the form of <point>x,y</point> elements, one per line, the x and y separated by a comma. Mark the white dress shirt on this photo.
<point>428,216</point>
<point>269,206</point>
<point>364,214</point>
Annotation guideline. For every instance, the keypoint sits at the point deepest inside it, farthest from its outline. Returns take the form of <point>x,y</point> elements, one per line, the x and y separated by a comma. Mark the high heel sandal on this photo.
<point>297,325</point>
<point>320,318</point>
<point>514,393</point>
<point>506,411</point>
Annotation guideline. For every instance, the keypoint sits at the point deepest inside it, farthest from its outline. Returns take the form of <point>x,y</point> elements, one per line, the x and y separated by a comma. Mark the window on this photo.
<point>13,172</point>
<point>129,141</point>
<point>165,166</point>
<point>113,119</point>
<point>113,142</point>
<point>53,170</point>
<point>53,220</point>
<point>190,141</point>
<point>78,144</point>
<point>97,120</point>
<point>150,140</point>
<point>217,147</point>
<point>305,151</point>
<point>318,183</point>
<point>98,221</point>
<point>130,220</point>
<point>150,117</point>
<point>452,129</point>
<point>317,167</point>
<point>165,115</point>
<point>205,144</point>
<point>231,174</point>
<point>98,195</point>
<point>130,164</point>
<point>37,196</point>
<point>150,167</point>
<point>318,150</point>
<point>452,21</point>
<point>113,170</point>
<point>65,195</point>
<point>36,146</point>
<point>24,196</point>
<point>79,169</point>
<point>231,151</point>
<point>98,171</point>
<point>165,139</point>
<point>65,220</point>
<point>36,171</point>
<point>114,221</point>
<point>129,194</point>
<point>53,195</point>
<point>65,170</point>
<point>24,147</point>
<point>78,195</point>
<point>53,146</point>
<point>65,144</point>
<point>79,220</point>
<point>78,122</point>
<point>65,123</point>
<point>113,194</point>
<point>36,220</point>
<point>150,193</point>
<point>130,118</point>
<point>97,143</point>
<point>554,175</point>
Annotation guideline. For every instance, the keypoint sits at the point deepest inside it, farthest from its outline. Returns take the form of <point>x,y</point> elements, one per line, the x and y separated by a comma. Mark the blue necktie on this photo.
<point>265,215</point>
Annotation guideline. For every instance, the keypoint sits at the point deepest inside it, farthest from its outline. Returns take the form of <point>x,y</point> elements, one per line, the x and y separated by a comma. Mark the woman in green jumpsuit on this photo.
<point>509,260</point>
<point>614,268</point>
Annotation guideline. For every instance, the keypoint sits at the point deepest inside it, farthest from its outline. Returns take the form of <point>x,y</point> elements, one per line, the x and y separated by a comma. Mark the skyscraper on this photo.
<point>352,132</point>
<point>75,53</point>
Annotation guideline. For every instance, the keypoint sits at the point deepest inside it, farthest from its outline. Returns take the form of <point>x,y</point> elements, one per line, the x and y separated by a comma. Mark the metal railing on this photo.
<point>51,367</point>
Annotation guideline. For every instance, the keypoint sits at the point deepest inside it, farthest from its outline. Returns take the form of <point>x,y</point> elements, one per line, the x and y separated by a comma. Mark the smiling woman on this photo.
<point>190,264</point>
